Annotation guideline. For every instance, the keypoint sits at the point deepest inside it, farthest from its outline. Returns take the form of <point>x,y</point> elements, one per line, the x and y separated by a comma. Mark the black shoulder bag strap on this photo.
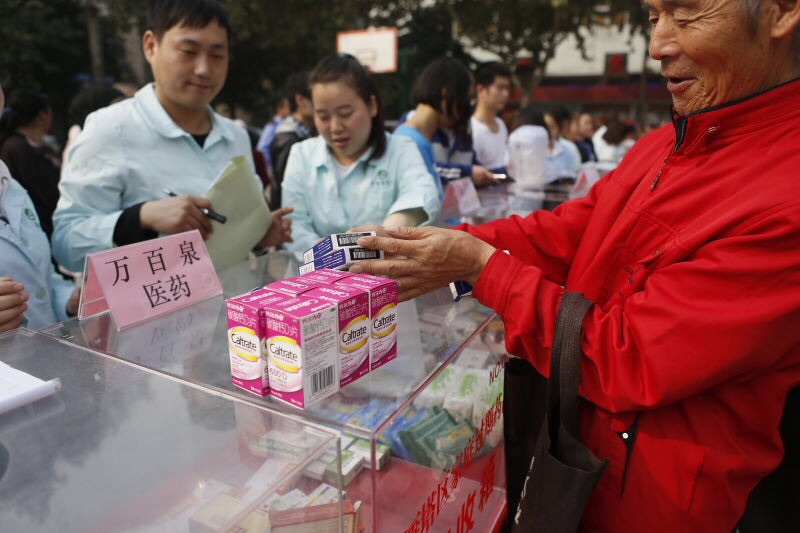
<point>564,472</point>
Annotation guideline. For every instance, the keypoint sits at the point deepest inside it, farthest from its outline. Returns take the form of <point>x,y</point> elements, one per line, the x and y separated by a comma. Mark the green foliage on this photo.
<point>44,44</point>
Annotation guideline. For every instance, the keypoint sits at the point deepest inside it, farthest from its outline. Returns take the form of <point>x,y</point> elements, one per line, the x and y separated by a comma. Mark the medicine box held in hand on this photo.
<point>334,242</point>
<point>340,259</point>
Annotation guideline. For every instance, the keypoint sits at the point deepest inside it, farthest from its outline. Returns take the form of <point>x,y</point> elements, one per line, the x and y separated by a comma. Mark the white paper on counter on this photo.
<point>237,195</point>
<point>18,388</point>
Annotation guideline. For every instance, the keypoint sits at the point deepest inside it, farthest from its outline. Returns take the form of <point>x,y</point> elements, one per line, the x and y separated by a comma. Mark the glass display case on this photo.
<point>120,448</point>
<point>421,437</point>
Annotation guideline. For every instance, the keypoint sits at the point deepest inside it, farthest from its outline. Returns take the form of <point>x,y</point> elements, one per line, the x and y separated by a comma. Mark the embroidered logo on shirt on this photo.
<point>31,215</point>
<point>381,179</point>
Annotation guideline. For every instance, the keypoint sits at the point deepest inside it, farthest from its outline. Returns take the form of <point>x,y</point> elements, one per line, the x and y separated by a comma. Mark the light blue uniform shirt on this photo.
<point>25,255</point>
<point>372,190</point>
<point>127,154</point>
<point>563,161</point>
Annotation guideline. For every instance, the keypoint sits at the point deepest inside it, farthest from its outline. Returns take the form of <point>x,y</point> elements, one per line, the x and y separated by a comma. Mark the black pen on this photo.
<point>210,213</point>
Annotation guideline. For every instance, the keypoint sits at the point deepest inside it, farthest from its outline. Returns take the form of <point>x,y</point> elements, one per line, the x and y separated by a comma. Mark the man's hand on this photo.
<point>424,259</point>
<point>13,303</point>
<point>280,231</point>
<point>380,231</point>
<point>176,215</point>
<point>482,176</point>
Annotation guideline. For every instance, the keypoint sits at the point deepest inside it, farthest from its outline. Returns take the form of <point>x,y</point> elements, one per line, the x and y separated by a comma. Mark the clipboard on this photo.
<point>237,195</point>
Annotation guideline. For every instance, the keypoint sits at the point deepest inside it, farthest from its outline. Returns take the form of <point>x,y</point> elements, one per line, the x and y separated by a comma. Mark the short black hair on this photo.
<point>561,115</point>
<point>297,83</point>
<point>346,69</point>
<point>24,106</point>
<point>486,73</point>
<point>89,98</point>
<point>446,79</point>
<point>166,14</point>
<point>530,116</point>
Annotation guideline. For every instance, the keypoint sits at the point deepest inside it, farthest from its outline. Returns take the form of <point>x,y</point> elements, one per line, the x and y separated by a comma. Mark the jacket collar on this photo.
<point>12,198</point>
<point>322,157</point>
<point>147,101</point>
<point>755,111</point>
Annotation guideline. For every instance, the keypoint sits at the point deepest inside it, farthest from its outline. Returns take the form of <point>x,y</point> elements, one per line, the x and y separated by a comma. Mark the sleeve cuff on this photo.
<point>494,284</point>
<point>128,229</point>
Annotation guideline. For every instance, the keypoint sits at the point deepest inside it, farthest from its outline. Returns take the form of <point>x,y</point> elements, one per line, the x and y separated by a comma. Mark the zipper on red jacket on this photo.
<point>629,438</point>
<point>681,125</point>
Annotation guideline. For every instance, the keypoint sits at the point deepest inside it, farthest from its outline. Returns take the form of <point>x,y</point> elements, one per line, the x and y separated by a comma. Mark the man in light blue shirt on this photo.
<point>373,189</point>
<point>166,137</point>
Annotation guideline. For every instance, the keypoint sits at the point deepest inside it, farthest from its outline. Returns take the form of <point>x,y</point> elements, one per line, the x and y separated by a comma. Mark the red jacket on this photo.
<point>691,252</point>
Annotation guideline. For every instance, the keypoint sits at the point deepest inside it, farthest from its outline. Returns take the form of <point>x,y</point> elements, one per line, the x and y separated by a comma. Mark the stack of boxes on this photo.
<point>301,339</point>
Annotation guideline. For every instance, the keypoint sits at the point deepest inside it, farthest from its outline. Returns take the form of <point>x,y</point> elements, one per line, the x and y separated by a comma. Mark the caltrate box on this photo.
<point>291,286</point>
<point>383,296</point>
<point>247,336</point>
<point>354,328</point>
<point>324,275</point>
<point>302,354</point>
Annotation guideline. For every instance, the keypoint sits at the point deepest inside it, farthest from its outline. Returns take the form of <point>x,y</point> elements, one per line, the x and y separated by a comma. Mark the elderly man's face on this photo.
<point>707,53</point>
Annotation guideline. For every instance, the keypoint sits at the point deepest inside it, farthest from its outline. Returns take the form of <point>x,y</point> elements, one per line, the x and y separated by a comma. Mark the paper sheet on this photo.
<point>237,195</point>
<point>18,388</point>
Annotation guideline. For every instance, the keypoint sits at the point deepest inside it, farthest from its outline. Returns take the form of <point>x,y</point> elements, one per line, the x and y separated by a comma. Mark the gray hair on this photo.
<point>751,9</point>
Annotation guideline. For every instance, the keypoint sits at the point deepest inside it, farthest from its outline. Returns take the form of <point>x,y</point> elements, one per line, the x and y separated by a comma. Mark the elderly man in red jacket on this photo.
<point>690,252</point>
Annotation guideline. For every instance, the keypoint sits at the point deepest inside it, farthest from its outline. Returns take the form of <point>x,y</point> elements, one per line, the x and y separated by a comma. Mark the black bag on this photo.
<point>549,473</point>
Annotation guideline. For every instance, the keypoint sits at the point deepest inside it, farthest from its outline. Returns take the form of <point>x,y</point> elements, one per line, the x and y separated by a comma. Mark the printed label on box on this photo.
<point>340,259</point>
<point>354,329</point>
<point>247,337</point>
<point>334,242</point>
<point>302,351</point>
<point>324,275</point>
<point>383,296</point>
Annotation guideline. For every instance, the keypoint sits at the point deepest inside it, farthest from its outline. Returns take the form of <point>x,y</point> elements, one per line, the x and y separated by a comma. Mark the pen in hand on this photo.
<point>210,213</point>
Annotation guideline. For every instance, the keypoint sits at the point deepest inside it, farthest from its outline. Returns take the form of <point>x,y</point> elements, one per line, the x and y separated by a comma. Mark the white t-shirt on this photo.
<point>341,170</point>
<point>490,147</point>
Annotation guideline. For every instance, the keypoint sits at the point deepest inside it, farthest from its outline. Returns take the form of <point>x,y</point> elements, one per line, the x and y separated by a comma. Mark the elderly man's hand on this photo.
<point>280,231</point>
<point>380,231</point>
<point>424,259</point>
<point>13,303</point>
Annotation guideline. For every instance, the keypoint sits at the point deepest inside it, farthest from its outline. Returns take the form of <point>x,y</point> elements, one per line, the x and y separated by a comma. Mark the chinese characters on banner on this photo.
<point>475,502</point>
<point>148,279</point>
